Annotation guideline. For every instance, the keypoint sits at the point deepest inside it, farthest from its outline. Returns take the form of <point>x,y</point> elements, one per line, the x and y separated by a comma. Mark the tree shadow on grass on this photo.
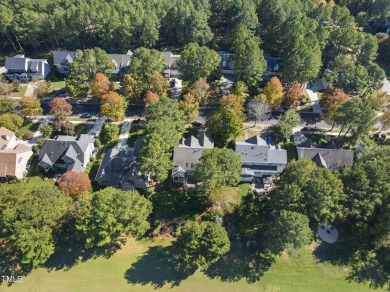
<point>10,263</point>
<point>179,205</point>
<point>70,254</point>
<point>338,253</point>
<point>158,267</point>
<point>240,264</point>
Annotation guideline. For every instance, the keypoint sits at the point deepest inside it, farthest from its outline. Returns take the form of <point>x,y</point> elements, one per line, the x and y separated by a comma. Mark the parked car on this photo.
<point>86,115</point>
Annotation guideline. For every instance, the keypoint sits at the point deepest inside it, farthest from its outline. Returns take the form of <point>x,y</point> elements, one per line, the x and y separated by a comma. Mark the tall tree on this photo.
<point>249,62</point>
<point>60,109</point>
<point>151,97</point>
<point>86,64</point>
<point>197,62</point>
<point>288,231</point>
<point>105,215</point>
<point>294,95</point>
<point>201,90</point>
<point>274,92</point>
<point>74,184</point>
<point>131,88</point>
<point>100,85</point>
<point>30,106</point>
<point>6,105</point>
<point>159,84</point>
<point>11,121</point>
<point>202,244</point>
<point>332,98</point>
<point>144,64</point>
<point>217,168</point>
<point>154,158</point>
<point>113,106</point>
<point>31,216</point>
<point>258,110</point>
<point>190,107</point>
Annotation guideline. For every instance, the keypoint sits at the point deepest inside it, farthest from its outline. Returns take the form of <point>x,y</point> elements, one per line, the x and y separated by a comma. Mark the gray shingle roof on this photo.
<point>18,62</point>
<point>60,56</point>
<point>53,150</point>
<point>119,167</point>
<point>120,61</point>
<point>330,158</point>
<point>256,150</point>
<point>190,150</point>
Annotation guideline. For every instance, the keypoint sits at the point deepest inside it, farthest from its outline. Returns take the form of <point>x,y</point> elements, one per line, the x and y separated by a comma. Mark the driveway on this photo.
<point>312,90</point>
<point>124,134</point>
<point>386,86</point>
<point>227,82</point>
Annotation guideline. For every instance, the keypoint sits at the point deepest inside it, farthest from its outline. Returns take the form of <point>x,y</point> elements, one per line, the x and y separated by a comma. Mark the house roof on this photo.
<point>53,150</point>
<point>5,136</point>
<point>18,62</point>
<point>120,61</point>
<point>119,167</point>
<point>60,56</point>
<point>170,59</point>
<point>273,64</point>
<point>329,158</point>
<point>9,157</point>
<point>256,150</point>
<point>190,150</point>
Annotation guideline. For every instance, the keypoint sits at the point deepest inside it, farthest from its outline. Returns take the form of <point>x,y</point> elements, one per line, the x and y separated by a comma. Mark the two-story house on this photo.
<point>14,155</point>
<point>170,64</point>
<point>66,153</point>
<point>62,61</point>
<point>23,69</point>
<point>119,169</point>
<point>187,155</point>
<point>260,159</point>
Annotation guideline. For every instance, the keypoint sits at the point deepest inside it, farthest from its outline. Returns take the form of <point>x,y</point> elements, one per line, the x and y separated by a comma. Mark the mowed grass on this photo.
<point>21,92</point>
<point>144,266</point>
<point>55,85</point>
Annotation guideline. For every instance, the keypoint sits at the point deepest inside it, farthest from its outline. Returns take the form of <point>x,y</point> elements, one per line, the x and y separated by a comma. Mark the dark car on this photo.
<point>86,115</point>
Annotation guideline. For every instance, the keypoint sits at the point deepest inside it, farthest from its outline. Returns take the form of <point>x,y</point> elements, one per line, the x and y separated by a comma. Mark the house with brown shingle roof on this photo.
<point>13,156</point>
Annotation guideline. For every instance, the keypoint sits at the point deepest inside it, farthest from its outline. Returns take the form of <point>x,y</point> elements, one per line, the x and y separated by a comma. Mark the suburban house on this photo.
<point>226,62</point>
<point>121,62</point>
<point>23,69</point>
<point>13,156</point>
<point>260,160</point>
<point>119,169</point>
<point>170,64</point>
<point>66,153</point>
<point>326,155</point>
<point>62,61</point>
<point>273,68</point>
<point>187,155</point>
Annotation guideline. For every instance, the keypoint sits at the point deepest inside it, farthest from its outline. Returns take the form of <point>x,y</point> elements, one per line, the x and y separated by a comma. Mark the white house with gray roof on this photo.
<point>260,159</point>
<point>66,153</point>
<point>188,154</point>
<point>23,69</point>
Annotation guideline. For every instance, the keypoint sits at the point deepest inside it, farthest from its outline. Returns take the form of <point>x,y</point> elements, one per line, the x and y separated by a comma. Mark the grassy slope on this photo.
<point>100,274</point>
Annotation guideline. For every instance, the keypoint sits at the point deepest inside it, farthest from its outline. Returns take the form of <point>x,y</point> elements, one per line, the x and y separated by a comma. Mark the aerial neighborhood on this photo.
<point>195,145</point>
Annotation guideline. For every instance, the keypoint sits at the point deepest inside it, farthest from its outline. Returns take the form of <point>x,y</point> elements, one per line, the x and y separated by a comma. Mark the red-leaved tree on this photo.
<point>150,97</point>
<point>60,109</point>
<point>100,85</point>
<point>74,184</point>
<point>332,98</point>
<point>293,96</point>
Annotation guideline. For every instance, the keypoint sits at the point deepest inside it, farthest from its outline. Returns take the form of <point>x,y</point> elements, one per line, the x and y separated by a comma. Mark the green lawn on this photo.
<point>146,266</point>
<point>21,92</point>
<point>30,127</point>
<point>291,151</point>
<point>82,129</point>
<point>136,131</point>
<point>59,84</point>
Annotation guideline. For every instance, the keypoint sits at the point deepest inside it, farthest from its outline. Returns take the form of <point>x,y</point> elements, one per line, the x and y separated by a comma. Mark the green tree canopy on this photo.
<point>105,215</point>
<point>197,62</point>
<point>218,168</point>
<point>202,244</point>
<point>31,216</point>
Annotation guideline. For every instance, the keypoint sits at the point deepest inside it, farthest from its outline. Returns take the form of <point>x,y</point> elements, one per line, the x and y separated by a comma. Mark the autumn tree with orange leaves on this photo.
<point>74,184</point>
<point>294,95</point>
<point>100,85</point>
<point>332,98</point>
<point>274,92</point>
<point>150,97</point>
<point>113,106</point>
<point>60,109</point>
<point>234,103</point>
<point>190,107</point>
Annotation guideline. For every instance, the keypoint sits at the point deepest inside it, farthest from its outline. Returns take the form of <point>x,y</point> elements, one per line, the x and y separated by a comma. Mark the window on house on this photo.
<point>20,159</point>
